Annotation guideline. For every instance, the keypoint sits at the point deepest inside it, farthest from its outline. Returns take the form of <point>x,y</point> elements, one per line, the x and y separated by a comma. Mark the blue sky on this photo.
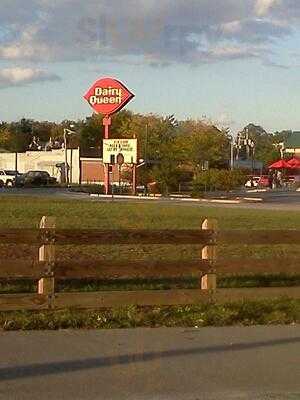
<point>228,61</point>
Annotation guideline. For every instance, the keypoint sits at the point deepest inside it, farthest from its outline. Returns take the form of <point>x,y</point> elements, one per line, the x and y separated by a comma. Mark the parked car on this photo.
<point>252,182</point>
<point>36,178</point>
<point>292,181</point>
<point>7,177</point>
<point>263,181</point>
<point>257,181</point>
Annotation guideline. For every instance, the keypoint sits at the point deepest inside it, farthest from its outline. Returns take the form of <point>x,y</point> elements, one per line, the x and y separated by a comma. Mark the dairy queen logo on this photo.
<point>108,95</point>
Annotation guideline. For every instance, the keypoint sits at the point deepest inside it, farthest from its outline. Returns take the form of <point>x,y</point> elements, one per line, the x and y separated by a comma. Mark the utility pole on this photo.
<point>146,144</point>
<point>67,132</point>
<point>66,157</point>
<point>238,146</point>
<point>252,144</point>
<point>246,142</point>
<point>16,167</point>
<point>231,152</point>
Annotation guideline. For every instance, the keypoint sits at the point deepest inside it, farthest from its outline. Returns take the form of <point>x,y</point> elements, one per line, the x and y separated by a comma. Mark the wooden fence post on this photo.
<point>47,254</point>
<point>209,253</point>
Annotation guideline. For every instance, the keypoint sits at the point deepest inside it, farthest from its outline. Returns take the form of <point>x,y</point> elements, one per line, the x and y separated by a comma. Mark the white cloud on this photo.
<point>159,33</point>
<point>18,76</point>
<point>262,7</point>
<point>235,52</point>
<point>232,27</point>
<point>224,120</point>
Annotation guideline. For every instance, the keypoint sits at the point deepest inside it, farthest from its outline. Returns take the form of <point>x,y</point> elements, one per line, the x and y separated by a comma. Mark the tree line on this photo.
<point>172,151</point>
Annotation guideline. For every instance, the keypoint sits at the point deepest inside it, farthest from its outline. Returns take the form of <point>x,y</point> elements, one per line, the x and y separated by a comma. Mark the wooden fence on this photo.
<point>46,269</point>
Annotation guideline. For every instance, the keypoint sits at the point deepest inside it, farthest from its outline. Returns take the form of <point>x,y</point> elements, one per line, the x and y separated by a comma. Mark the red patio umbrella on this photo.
<point>294,163</point>
<point>279,165</point>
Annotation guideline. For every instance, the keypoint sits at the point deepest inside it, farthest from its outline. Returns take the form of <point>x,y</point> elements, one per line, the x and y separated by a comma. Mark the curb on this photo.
<point>119,196</point>
<point>257,191</point>
<point>146,198</point>
<point>257,199</point>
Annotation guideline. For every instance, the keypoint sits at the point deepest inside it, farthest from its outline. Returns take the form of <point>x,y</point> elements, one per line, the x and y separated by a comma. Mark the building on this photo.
<point>82,170</point>
<point>252,165</point>
<point>292,144</point>
<point>51,161</point>
<point>92,171</point>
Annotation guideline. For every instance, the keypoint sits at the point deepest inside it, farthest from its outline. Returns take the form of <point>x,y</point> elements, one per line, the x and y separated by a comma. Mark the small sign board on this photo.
<point>114,147</point>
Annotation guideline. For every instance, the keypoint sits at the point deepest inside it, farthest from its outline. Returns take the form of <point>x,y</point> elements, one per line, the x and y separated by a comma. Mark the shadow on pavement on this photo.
<point>51,368</point>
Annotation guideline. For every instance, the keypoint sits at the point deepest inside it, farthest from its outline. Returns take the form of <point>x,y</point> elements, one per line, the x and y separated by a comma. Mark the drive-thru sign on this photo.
<point>113,147</point>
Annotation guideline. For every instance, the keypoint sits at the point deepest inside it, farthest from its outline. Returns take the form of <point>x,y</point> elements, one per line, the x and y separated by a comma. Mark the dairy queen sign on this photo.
<point>107,96</point>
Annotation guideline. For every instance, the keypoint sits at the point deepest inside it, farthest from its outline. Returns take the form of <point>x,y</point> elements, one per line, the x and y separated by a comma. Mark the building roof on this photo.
<point>293,141</point>
<point>91,152</point>
<point>248,164</point>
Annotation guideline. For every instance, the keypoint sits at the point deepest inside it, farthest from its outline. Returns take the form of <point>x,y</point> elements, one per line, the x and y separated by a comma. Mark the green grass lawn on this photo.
<point>27,212</point>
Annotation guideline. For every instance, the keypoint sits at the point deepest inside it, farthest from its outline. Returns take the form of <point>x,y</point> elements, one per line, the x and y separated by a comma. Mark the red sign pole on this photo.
<point>106,123</point>
<point>134,176</point>
<point>134,180</point>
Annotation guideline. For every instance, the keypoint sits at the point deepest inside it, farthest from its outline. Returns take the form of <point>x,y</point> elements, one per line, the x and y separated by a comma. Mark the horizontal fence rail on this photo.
<point>258,237</point>
<point>104,237</point>
<point>131,237</point>
<point>17,269</point>
<point>18,236</point>
<point>47,268</point>
<point>144,269</point>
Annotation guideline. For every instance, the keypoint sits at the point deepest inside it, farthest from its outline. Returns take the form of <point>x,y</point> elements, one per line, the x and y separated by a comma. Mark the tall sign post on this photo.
<point>108,96</point>
<point>106,124</point>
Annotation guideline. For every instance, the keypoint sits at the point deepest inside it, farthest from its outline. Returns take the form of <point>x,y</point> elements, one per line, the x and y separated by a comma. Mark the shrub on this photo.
<point>88,188</point>
<point>214,179</point>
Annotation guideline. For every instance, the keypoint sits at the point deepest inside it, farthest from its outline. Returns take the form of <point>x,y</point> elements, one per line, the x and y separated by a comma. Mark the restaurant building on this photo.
<point>291,145</point>
<point>83,168</point>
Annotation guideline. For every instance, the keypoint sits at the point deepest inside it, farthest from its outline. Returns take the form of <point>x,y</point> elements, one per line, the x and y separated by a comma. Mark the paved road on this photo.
<point>271,200</point>
<point>232,363</point>
<point>43,192</point>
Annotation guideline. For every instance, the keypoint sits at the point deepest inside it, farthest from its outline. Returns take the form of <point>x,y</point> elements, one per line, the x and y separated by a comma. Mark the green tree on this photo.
<point>18,135</point>
<point>165,152</point>
<point>91,132</point>
<point>42,129</point>
<point>202,143</point>
<point>5,137</point>
<point>265,143</point>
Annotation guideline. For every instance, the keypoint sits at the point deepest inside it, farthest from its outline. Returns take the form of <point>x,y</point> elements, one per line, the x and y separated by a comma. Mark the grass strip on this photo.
<point>86,285</point>
<point>26,211</point>
<point>279,311</point>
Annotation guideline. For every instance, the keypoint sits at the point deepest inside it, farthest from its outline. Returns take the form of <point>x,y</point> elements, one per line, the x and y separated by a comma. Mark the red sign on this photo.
<point>108,95</point>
